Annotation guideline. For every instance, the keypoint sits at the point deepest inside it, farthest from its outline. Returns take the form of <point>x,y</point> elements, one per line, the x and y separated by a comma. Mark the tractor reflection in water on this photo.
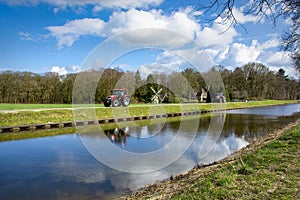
<point>118,135</point>
<point>117,98</point>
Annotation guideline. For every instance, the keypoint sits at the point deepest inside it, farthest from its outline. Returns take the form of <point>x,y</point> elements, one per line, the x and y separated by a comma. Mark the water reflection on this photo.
<point>118,135</point>
<point>60,167</point>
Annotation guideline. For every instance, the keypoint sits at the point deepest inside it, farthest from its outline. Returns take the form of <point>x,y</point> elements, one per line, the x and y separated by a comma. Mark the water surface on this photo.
<point>60,167</point>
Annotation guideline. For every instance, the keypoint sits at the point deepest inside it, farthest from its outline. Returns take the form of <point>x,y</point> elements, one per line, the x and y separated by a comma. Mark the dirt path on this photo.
<point>166,189</point>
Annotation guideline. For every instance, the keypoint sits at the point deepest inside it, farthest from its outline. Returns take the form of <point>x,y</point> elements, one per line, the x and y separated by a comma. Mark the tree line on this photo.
<point>253,81</point>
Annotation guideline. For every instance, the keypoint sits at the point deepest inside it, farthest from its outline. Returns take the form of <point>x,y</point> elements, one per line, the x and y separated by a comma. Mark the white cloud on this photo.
<point>217,36</point>
<point>199,59</point>
<point>166,63</point>
<point>66,70</point>
<point>279,59</point>
<point>179,22</point>
<point>239,54</point>
<point>26,36</point>
<point>67,34</point>
<point>129,3</point>
<point>273,43</point>
<point>75,69</point>
<point>4,69</point>
<point>242,18</point>
<point>32,37</point>
<point>178,60</point>
<point>220,55</point>
<point>59,70</point>
<point>97,3</point>
<point>133,19</point>
<point>221,33</point>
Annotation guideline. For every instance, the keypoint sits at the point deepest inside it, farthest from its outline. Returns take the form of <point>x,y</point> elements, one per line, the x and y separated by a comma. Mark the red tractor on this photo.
<point>117,98</point>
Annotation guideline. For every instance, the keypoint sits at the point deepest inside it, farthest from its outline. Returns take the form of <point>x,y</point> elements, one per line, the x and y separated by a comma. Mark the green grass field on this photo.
<point>6,106</point>
<point>60,115</point>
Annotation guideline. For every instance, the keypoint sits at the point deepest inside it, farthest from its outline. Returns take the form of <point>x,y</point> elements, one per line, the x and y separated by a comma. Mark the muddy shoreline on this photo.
<point>175,185</point>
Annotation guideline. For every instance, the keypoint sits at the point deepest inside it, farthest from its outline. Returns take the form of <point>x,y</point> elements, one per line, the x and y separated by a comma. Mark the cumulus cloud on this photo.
<point>96,3</point>
<point>221,33</point>
<point>164,68</point>
<point>66,70</point>
<point>59,70</point>
<point>217,36</point>
<point>75,69</point>
<point>4,69</point>
<point>277,59</point>
<point>200,59</point>
<point>67,34</point>
<point>178,60</point>
<point>218,39</point>
<point>122,21</point>
<point>239,54</point>
<point>165,63</point>
<point>273,43</point>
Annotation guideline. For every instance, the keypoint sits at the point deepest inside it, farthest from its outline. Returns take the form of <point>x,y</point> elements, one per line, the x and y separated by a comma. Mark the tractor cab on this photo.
<point>118,92</point>
<point>117,98</point>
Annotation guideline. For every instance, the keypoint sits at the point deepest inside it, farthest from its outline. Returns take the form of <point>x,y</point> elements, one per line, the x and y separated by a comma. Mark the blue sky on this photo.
<point>46,35</point>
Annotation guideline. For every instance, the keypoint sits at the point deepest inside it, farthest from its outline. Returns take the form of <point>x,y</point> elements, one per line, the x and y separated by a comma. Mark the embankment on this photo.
<point>266,169</point>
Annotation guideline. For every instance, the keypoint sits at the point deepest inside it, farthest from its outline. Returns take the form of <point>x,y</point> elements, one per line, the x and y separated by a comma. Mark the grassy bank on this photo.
<point>272,172</point>
<point>266,169</point>
<point>45,116</point>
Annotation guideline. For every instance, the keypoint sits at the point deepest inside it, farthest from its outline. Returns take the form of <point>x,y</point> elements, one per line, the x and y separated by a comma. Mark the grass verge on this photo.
<point>45,116</point>
<point>272,172</point>
<point>267,169</point>
<point>8,106</point>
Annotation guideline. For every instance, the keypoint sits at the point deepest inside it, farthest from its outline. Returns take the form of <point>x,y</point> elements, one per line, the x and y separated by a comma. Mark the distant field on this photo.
<point>28,116</point>
<point>5,106</point>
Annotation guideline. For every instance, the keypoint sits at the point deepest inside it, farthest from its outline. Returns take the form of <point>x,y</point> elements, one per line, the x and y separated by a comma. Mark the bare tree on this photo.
<point>270,9</point>
<point>291,11</point>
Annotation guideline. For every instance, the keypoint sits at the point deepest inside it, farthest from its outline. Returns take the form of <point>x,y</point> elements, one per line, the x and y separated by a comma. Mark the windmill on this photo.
<point>156,98</point>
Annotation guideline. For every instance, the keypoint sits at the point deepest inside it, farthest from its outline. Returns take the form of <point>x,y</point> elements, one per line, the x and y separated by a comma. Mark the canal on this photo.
<point>97,165</point>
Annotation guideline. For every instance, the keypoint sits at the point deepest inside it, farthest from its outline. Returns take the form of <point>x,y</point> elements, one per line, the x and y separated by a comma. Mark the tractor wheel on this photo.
<point>115,103</point>
<point>126,101</point>
<point>107,103</point>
